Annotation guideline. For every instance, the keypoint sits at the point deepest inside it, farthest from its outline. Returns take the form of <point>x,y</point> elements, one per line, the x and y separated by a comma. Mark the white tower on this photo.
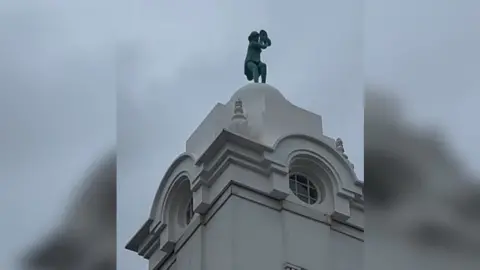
<point>259,187</point>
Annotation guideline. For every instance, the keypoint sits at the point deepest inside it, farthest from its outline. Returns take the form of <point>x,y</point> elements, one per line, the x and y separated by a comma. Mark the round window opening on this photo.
<point>189,212</point>
<point>303,188</point>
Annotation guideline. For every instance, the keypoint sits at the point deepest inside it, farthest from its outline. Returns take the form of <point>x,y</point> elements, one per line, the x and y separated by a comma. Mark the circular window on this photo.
<point>303,188</point>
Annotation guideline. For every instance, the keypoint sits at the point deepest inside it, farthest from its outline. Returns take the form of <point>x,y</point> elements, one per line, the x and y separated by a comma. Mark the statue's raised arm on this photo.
<point>253,66</point>
<point>257,45</point>
<point>264,39</point>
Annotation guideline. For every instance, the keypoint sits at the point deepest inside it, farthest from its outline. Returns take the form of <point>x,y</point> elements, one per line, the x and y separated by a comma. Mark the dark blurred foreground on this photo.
<point>423,209</point>
<point>86,239</point>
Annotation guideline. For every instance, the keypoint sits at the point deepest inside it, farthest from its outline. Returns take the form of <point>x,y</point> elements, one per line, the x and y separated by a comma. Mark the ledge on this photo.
<point>228,136</point>
<point>347,229</point>
<point>188,232</point>
<point>140,236</point>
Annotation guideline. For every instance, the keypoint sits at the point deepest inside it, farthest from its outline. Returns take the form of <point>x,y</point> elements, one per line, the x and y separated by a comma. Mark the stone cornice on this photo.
<point>228,136</point>
<point>230,148</point>
<point>146,241</point>
<point>140,236</point>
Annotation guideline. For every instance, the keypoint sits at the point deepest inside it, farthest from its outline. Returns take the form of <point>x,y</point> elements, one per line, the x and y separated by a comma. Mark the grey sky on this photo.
<point>62,64</point>
<point>427,52</point>
<point>57,113</point>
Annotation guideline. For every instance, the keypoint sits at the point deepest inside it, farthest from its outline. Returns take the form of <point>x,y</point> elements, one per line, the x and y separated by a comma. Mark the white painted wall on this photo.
<point>245,235</point>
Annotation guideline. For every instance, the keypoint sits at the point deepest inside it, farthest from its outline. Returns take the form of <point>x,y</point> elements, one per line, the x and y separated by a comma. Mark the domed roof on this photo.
<point>254,91</point>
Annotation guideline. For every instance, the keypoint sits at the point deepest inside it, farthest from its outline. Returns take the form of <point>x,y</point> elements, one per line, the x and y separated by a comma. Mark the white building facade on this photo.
<point>259,187</point>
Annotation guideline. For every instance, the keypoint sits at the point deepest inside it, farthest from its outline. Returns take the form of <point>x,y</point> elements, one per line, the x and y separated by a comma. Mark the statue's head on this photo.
<point>253,36</point>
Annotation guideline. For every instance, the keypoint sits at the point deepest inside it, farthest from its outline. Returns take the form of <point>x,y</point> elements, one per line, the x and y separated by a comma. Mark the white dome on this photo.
<point>253,91</point>
<point>259,102</point>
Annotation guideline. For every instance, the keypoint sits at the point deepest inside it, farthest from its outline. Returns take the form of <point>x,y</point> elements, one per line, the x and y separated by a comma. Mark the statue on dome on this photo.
<point>254,68</point>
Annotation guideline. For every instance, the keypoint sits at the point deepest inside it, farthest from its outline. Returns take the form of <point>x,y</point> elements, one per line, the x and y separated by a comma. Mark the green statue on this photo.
<point>254,67</point>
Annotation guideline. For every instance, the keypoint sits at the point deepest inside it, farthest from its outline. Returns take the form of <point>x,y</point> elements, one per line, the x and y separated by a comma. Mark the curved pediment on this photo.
<point>293,145</point>
<point>183,166</point>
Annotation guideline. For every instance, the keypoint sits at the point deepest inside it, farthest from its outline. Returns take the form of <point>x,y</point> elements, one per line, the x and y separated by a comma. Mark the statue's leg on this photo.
<point>254,69</point>
<point>263,71</point>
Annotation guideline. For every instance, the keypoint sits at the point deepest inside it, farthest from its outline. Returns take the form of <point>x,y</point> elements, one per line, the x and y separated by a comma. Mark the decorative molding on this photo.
<point>168,247</point>
<point>152,239</point>
<point>145,244</point>
<point>234,149</point>
<point>233,188</point>
<point>325,144</point>
<point>237,139</point>
<point>137,240</point>
<point>347,229</point>
<point>160,194</point>
<point>167,261</point>
<point>219,163</point>
<point>152,249</point>
<point>201,198</point>
<point>195,223</point>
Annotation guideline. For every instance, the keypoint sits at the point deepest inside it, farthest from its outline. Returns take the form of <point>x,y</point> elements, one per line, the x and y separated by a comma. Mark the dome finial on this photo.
<point>239,122</point>
<point>238,112</point>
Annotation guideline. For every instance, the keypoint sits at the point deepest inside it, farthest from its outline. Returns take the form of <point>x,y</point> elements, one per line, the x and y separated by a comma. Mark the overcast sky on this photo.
<point>427,53</point>
<point>63,64</point>
<point>57,112</point>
